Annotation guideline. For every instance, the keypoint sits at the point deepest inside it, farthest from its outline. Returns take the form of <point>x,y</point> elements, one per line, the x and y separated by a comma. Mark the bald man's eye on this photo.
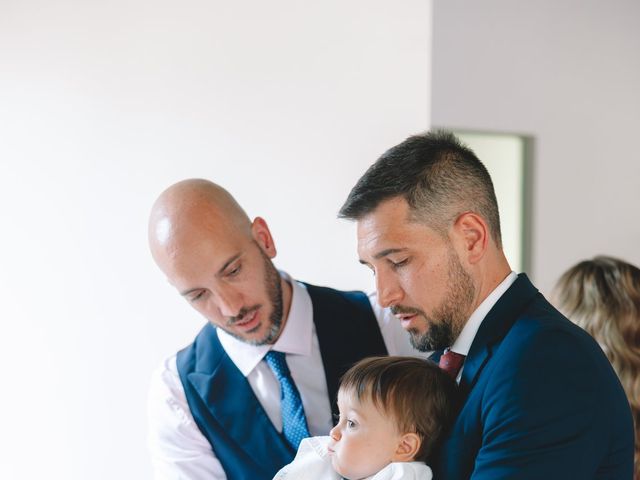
<point>199,295</point>
<point>235,270</point>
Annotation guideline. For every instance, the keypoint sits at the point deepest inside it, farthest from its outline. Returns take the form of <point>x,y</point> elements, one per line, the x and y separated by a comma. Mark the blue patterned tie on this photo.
<point>294,423</point>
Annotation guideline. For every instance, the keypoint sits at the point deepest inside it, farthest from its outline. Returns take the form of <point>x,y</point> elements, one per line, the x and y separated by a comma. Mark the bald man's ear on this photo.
<point>407,448</point>
<point>262,236</point>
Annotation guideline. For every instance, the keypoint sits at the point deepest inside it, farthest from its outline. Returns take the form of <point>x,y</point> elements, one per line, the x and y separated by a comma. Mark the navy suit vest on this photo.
<point>224,406</point>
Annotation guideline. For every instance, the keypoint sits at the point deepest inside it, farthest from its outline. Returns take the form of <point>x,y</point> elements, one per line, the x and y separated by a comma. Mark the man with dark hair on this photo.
<point>263,372</point>
<point>540,399</point>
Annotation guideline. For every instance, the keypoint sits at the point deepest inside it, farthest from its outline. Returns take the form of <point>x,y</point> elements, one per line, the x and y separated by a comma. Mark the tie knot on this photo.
<point>451,362</point>
<point>278,363</point>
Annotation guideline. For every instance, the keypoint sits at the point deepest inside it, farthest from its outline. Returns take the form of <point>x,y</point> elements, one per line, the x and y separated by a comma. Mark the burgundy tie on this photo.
<point>451,362</point>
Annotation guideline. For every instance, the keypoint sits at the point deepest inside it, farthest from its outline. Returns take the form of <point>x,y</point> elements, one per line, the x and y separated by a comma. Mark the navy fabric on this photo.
<point>294,423</point>
<point>227,411</point>
<point>348,332</point>
<point>541,400</point>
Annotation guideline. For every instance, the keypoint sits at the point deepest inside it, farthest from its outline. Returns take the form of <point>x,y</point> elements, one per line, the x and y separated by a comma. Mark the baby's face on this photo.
<point>364,441</point>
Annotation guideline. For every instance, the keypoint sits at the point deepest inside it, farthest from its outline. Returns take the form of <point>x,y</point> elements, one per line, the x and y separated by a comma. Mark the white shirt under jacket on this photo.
<point>179,451</point>
<point>462,345</point>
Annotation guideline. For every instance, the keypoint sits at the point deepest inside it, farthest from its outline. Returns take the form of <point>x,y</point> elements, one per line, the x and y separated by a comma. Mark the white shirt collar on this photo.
<point>296,337</point>
<point>463,343</point>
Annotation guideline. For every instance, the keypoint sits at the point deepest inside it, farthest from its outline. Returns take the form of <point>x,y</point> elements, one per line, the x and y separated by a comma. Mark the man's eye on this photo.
<point>234,271</point>
<point>197,296</point>
<point>399,264</point>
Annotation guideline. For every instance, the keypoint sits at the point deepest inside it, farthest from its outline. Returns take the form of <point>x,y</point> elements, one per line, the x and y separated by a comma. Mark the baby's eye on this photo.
<point>351,424</point>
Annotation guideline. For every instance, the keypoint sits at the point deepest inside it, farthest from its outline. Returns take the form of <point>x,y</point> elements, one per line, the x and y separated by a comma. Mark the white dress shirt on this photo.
<point>179,451</point>
<point>462,345</point>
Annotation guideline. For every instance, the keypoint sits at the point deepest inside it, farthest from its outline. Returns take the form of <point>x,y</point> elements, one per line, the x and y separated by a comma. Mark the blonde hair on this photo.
<point>603,297</point>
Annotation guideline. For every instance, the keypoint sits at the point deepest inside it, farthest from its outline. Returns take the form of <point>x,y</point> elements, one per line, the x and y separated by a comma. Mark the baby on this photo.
<point>393,411</point>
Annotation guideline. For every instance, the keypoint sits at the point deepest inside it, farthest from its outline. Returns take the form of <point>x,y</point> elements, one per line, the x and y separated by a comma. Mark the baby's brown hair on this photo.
<point>419,396</point>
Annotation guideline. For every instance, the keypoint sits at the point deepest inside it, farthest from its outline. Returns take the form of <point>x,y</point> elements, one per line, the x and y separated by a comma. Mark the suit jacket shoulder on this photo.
<point>541,401</point>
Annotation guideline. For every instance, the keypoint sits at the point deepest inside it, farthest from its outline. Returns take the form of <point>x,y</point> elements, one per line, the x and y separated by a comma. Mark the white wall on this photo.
<point>568,74</point>
<point>503,156</point>
<point>103,105</point>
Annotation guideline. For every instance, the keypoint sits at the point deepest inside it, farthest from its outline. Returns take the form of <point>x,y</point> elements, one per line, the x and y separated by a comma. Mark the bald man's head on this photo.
<point>194,204</point>
<point>218,259</point>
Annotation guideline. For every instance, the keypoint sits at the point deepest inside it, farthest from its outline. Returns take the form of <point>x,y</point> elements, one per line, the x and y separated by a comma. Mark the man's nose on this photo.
<point>229,301</point>
<point>389,290</point>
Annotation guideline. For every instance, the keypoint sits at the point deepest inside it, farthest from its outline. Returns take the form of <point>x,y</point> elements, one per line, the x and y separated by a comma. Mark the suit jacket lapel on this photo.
<point>494,327</point>
<point>350,314</point>
<point>231,401</point>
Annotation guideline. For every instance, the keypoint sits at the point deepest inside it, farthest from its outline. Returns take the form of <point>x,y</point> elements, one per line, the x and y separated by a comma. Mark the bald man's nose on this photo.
<point>230,301</point>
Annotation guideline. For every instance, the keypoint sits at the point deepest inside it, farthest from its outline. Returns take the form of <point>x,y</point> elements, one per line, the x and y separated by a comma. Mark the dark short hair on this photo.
<point>419,396</point>
<point>437,175</point>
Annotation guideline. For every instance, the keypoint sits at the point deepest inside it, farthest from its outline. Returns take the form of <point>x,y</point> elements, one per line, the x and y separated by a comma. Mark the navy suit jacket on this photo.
<point>540,400</point>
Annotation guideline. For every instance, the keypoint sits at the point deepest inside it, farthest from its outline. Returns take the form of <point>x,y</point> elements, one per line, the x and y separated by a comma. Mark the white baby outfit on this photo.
<point>312,462</point>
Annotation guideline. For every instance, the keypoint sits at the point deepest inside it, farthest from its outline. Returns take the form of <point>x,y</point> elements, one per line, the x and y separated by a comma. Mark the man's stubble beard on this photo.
<point>447,321</point>
<point>273,286</point>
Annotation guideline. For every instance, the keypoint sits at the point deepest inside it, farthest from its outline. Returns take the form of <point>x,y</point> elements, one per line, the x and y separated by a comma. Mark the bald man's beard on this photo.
<point>273,286</point>
<point>274,291</point>
<point>448,320</point>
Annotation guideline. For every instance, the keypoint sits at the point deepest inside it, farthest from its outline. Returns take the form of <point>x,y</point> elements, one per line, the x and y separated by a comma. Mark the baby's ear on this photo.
<point>408,447</point>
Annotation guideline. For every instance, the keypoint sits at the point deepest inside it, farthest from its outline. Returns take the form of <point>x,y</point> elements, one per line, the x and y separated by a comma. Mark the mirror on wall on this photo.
<point>505,156</point>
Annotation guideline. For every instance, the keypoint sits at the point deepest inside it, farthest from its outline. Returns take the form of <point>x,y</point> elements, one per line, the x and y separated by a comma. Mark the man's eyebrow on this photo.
<point>224,267</point>
<point>388,251</point>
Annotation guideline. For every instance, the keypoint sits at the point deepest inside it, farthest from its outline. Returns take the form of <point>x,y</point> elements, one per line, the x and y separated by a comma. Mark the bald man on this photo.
<point>263,372</point>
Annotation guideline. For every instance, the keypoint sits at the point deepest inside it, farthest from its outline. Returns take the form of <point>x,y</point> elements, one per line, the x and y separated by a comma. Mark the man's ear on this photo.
<point>407,448</point>
<point>261,234</point>
<point>471,237</point>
